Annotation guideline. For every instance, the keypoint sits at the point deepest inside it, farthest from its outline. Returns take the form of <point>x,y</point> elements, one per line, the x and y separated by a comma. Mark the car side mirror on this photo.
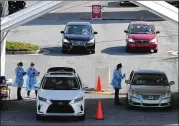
<point>84,88</point>
<point>172,82</point>
<point>127,81</point>
<point>95,32</point>
<point>126,31</point>
<point>62,32</point>
<point>157,32</point>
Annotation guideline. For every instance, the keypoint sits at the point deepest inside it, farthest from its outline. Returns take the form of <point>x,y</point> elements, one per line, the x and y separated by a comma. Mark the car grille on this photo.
<point>144,104</point>
<point>151,97</point>
<point>141,41</point>
<point>60,107</point>
<point>78,43</point>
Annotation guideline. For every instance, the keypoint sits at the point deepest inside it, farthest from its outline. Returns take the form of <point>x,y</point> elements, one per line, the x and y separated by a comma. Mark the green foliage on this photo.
<point>20,46</point>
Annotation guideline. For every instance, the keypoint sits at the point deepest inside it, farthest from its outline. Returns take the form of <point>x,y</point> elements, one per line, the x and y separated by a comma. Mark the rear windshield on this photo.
<point>60,83</point>
<point>149,79</point>
<point>141,29</point>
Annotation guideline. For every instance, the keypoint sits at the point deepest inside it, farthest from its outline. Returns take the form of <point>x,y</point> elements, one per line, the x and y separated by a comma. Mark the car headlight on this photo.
<point>133,94</point>
<point>153,40</point>
<point>130,40</point>
<point>91,41</point>
<point>44,100</point>
<point>167,95</point>
<point>65,41</point>
<point>78,99</point>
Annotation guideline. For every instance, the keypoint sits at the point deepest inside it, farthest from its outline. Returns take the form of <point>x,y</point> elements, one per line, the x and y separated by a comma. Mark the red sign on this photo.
<point>96,12</point>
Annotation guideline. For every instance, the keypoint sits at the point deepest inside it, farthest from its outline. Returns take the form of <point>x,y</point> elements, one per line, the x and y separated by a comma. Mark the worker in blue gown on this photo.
<point>32,81</point>
<point>19,79</point>
<point>116,82</point>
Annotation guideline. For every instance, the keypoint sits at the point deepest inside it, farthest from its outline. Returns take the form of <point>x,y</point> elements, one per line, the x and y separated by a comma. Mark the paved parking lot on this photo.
<point>110,50</point>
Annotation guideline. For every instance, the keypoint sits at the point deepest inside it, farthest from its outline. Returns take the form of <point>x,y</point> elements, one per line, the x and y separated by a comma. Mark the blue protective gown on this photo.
<point>117,78</point>
<point>19,79</point>
<point>31,79</point>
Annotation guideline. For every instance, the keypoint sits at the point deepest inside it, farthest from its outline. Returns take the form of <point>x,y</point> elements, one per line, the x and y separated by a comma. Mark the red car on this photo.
<point>141,35</point>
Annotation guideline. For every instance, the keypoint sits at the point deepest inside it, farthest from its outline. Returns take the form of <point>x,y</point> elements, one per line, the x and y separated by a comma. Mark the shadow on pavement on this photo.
<point>110,111</point>
<point>56,51</point>
<point>121,50</point>
<point>122,17</point>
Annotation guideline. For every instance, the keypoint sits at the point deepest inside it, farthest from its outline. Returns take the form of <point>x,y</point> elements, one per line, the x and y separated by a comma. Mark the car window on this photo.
<point>78,29</point>
<point>130,77</point>
<point>141,29</point>
<point>149,79</point>
<point>42,81</point>
<point>61,83</point>
<point>80,81</point>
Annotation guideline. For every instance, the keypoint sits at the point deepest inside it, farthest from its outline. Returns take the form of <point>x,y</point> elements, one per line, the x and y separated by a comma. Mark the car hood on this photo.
<point>150,89</point>
<point>59,94</point>
<point>78,37</point>
<point>142,36</point>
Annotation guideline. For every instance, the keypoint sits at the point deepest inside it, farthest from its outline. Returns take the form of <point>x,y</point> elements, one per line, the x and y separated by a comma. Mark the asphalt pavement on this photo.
<point>110,50</point>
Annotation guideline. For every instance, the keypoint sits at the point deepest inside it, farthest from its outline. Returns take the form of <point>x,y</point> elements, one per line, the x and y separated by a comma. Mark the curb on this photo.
<point>134,19</point>
<point>38,52</point>
<point>21,52</point>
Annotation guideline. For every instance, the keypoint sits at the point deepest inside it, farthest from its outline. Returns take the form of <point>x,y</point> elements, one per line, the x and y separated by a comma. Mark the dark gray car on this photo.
<point>149,88</point>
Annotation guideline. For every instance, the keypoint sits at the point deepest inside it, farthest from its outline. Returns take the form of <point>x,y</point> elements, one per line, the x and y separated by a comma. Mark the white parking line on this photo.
<point>173,53</point>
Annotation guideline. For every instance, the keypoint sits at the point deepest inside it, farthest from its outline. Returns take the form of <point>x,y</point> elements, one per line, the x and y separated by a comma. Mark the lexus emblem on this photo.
<point>150,97</point>
<point>60,103</point>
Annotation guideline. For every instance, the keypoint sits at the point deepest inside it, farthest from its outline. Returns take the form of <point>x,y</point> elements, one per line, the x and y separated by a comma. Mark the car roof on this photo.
<point>142,23</point>
<point>148,70</point>
<point>60,74</point>
<point>78,23</point>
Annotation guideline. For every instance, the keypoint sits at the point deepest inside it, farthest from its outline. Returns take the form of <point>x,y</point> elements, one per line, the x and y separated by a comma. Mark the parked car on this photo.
<point>174,3</point>
<point>15,6</point>
<point>141,35</point>
<point>61,93</point>
<point>127,3</point>
<point>78,36</point>
<point>149,88</point>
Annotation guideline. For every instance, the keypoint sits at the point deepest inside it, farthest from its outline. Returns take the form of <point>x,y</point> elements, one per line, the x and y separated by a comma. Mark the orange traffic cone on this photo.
<point>98,86</point>
<point>99,113</point>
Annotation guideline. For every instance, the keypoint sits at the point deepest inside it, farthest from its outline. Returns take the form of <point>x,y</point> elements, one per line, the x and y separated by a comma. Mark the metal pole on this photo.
<point>4,12</point>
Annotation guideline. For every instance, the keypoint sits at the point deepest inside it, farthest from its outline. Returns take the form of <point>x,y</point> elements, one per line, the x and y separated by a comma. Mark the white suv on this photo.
<point>61,93</point>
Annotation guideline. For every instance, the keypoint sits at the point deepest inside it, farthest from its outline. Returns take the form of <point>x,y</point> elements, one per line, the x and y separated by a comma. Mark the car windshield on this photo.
<point>141,29</point>
<point>78,29</point>
<point>149,79</point>
<point>60,83</point>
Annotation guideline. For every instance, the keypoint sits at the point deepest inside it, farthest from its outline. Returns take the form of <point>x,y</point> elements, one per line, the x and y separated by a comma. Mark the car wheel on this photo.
<point>155,50</point>
<point>64,51</point>
<point>128,106</point>
<point>93,51</point>
<point>38,117</point>
<point>128,49</point>
<point>82,118</point>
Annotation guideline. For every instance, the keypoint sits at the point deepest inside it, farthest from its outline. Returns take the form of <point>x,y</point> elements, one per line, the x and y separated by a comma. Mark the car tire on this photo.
<point>64,51</point>
<point>155,50</point>
<point>93,51</point>
<point>82,118</point>
<point>128,106</point>
<point>38,117</point>
<point>128,49</point>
